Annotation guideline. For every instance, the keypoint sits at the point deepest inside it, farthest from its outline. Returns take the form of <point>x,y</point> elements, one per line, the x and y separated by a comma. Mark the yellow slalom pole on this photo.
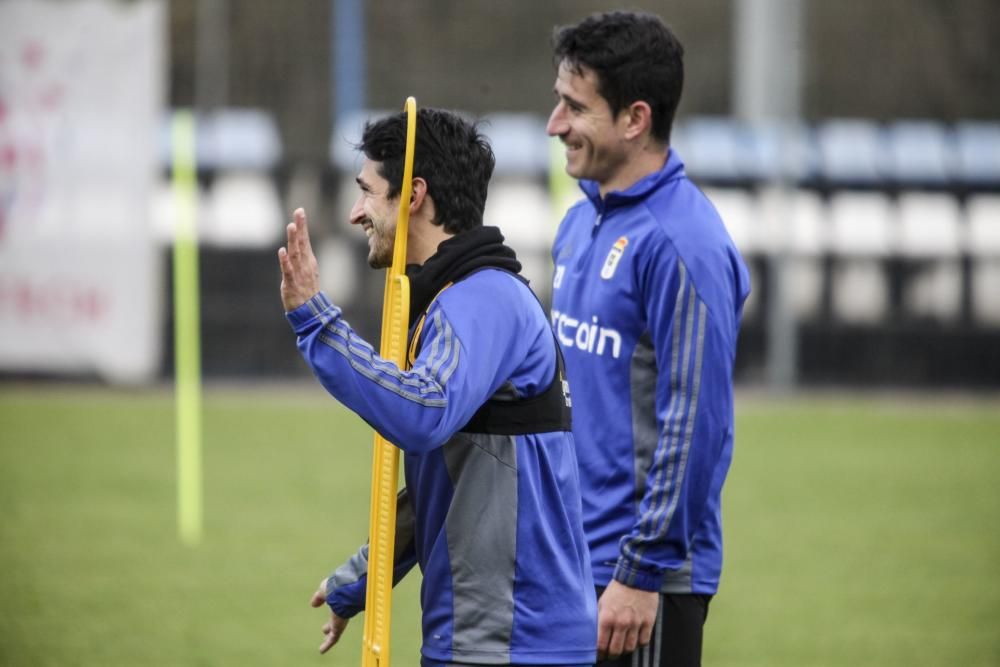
<point>187,346</point>
<point>385,461</point>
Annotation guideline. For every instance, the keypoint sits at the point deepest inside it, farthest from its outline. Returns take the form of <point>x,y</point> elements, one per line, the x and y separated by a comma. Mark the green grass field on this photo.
<point>859,532</point>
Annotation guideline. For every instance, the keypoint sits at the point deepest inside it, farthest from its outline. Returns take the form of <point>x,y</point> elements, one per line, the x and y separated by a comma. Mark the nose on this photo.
<point>557,125</point>
<point>358,212</point>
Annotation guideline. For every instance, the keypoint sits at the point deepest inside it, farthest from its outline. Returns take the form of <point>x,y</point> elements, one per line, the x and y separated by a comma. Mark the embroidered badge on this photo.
<point>611,263</point>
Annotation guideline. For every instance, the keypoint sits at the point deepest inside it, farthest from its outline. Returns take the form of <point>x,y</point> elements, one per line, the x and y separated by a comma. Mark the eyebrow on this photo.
<point>569,99</point>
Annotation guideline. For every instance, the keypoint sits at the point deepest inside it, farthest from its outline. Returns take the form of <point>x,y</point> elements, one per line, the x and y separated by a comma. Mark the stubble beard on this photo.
<point>380,256</point>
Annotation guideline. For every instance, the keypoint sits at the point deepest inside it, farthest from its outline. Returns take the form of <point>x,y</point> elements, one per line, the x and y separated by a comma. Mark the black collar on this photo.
<point>478,248</point>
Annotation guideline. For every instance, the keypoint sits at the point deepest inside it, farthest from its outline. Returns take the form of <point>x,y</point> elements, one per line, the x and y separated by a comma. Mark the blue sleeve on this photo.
<point>347,586</point>
<point>468,348</point>
<point>694,365</point>
<point>416,409</point>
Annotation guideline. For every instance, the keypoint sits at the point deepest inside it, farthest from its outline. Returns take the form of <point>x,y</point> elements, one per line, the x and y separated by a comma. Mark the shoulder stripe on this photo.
<point>443,339</point>
<point>451,353</point>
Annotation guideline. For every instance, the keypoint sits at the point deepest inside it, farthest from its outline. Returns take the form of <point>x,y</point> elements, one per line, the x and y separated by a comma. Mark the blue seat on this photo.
<point>230,138</point>
<point>920,152</point>
<point>978,146</point>
<point>713,148</point>
<point>852,152</point>
<point>519,143</point>
<point>347,134</point>
<point>777,150</point>
<point>243,139</point>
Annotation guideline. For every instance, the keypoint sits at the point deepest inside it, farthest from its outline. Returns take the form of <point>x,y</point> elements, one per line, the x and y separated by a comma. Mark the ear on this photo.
<point>637,118</point>
<point>418,197</point>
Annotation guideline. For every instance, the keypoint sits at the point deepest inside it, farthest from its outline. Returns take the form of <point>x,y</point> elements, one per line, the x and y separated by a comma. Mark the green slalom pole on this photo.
<point>187,327</point>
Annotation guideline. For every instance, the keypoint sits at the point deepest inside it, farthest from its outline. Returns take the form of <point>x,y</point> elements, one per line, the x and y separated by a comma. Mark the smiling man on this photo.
<point>647,297</point>
<point>491,508</point>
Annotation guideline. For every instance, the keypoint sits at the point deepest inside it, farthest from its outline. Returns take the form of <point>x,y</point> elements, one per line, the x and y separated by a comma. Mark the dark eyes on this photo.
<point>570,104</point>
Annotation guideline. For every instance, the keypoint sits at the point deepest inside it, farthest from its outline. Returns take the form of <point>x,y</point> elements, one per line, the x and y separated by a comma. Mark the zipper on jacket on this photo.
<point>586,253</point>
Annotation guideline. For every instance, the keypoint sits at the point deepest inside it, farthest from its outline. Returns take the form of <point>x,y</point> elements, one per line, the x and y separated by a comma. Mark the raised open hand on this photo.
<point>299,268</point>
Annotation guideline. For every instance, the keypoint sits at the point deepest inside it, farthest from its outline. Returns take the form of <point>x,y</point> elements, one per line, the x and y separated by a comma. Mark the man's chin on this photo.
<point>574,170</point>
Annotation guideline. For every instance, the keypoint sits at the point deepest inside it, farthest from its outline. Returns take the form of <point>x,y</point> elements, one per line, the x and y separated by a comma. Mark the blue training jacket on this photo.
<point>494,521</point>
<point>648,293</point>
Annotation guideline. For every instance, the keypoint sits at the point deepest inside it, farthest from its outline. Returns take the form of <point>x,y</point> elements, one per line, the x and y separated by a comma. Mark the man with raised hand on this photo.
<point>648,293</point>
<point>491,508</point>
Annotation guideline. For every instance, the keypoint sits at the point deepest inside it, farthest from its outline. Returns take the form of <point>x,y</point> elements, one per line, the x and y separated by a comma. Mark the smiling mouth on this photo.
<point>368,227</point>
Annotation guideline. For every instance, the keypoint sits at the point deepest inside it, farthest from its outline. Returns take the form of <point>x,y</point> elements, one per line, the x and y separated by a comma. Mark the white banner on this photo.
<point>81,97</point>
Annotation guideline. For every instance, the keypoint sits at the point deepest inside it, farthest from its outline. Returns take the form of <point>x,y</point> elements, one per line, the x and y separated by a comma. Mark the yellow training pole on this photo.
<point>187,346</point>
<point>385,463</point>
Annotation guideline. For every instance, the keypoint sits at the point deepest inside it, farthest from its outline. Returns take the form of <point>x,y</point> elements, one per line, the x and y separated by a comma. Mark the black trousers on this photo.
<point>676,639</point>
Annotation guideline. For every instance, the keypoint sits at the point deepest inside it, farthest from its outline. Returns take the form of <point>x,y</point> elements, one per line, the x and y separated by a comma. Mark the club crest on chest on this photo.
<point>614,256</point>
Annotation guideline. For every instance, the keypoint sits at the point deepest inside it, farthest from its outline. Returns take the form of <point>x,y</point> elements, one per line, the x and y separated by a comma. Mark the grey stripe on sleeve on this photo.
<point>452,365</point>
<point>449,354</point>
<point>364,353</point>
<point>678,390</point>
<point>350,572</point>
<point>680,425</point>
<point>645,436</point>
<point>677,453</point>
<point>381,379</point>
<point>689,430</point>
<point>633,547</point>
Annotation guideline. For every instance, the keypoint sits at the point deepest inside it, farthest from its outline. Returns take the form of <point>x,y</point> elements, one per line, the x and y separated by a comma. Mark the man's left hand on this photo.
<point>333,628</point>
<point>299,268</point>
<point>625,619</point>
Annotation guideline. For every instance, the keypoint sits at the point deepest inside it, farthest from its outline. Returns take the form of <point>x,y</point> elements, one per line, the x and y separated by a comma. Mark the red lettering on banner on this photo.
<point>51,98</point>
<point>8,156</point>
<point>32,55</point>
<point>57,300</point>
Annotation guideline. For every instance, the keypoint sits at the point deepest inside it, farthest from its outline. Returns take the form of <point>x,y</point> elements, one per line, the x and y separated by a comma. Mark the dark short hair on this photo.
<point>635,57</point>
<point>451,155</point>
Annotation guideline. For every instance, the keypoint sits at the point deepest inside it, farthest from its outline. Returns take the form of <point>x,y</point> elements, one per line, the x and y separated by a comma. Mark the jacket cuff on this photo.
<point>318,308</point>
<point>335,599</point>
<point>626,573</point>
<point>343,610</point>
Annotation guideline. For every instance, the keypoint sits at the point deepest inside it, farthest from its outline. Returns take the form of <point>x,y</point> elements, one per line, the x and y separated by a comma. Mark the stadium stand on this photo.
<point>890,231</point>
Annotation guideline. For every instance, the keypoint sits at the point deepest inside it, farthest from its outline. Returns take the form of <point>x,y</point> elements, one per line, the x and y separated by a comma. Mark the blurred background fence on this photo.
<point>883,207</point>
